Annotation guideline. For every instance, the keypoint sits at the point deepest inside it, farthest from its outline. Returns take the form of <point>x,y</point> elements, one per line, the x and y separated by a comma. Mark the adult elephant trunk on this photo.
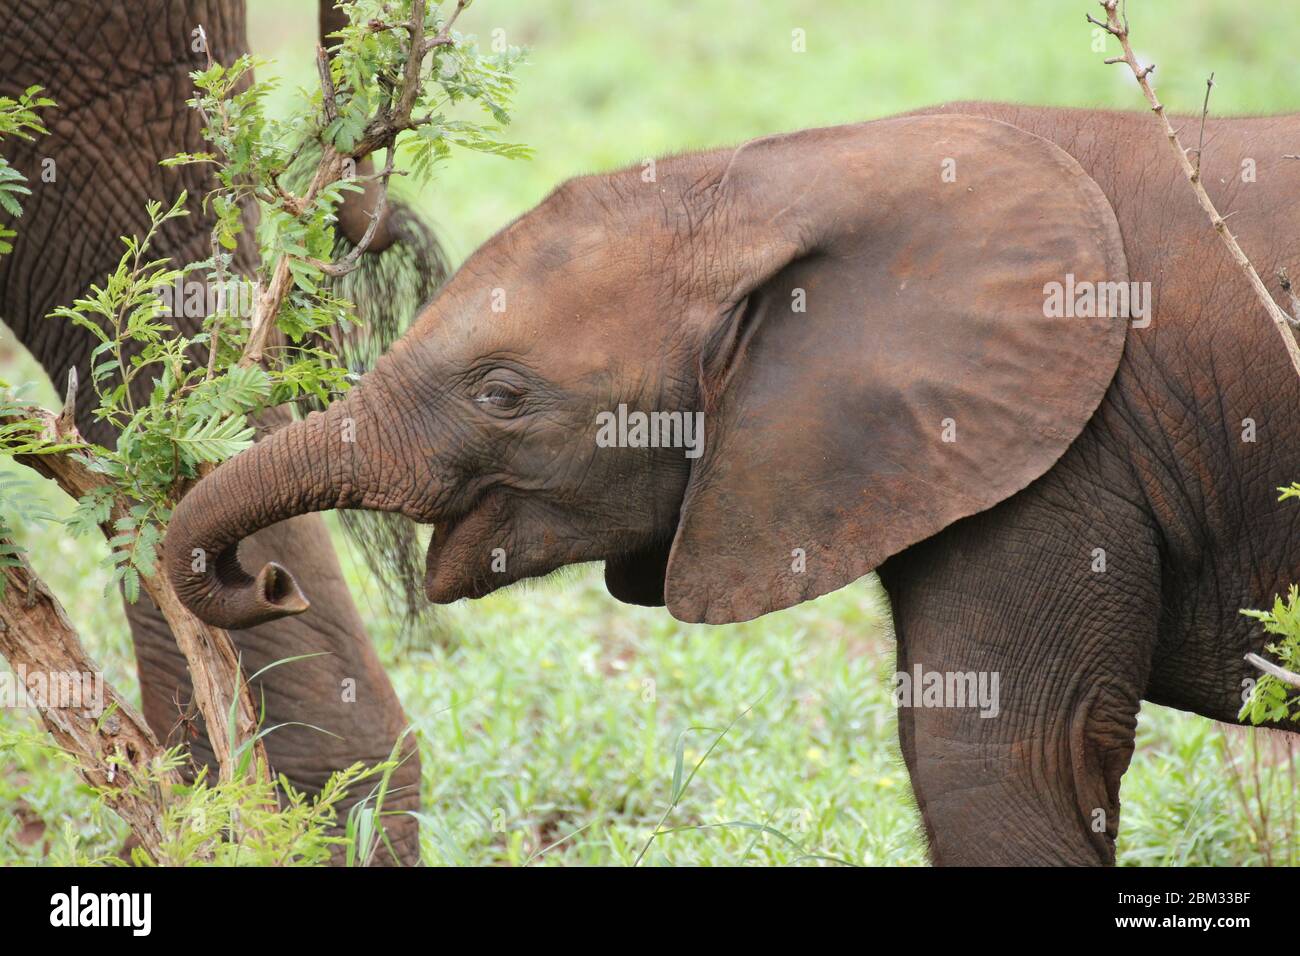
<point>329,460</point>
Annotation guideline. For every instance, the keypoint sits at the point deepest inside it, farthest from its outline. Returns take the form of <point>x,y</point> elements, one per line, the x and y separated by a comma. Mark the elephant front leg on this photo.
<point>1027,774</point>
<point>1007,610</point>
<point>343,690</point>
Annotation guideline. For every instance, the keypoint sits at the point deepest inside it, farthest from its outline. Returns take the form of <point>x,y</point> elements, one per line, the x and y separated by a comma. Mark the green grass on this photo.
<point>565,712</point>
<point>554,715</point>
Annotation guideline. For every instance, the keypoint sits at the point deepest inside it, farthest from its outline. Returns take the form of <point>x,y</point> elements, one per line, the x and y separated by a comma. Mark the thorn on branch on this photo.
<point>1117,24</point>
<point>1292,298</point>
<point>326,83</point>
<point>67,420</point>
<point>1105,26</point>
<point>1205,111</point>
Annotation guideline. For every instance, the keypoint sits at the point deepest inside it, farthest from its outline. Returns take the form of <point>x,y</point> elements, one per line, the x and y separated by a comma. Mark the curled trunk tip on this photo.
<point>303,467</point>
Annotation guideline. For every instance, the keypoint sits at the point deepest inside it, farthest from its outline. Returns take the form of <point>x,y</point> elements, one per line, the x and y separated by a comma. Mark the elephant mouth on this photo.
<point>458,563</point>
<point>472,554</point>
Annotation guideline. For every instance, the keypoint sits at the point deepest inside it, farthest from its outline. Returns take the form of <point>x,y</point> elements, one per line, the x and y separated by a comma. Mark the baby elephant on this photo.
<point>994,352</point>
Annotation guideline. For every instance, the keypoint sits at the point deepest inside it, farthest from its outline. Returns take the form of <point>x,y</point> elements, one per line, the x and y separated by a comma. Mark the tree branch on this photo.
<point>213,663</point>
<point>1205,112</point>
<point>350,261</point>
<point>380,132</point>
<point>1118,28</point>
<point>1268,667</point>
<point>444,35</point>
<point>116,753</point>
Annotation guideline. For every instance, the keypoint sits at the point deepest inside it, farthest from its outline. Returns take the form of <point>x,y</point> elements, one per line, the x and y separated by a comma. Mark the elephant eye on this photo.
<point>499,395</point>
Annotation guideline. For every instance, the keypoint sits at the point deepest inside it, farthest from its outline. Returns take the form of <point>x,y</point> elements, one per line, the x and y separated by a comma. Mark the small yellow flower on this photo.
<point>884,783</point>
<point>547,663</point>
<point>815,755</point>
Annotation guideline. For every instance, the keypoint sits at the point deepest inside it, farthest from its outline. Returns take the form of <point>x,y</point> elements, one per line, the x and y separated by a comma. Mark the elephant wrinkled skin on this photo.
<point>923,413</point>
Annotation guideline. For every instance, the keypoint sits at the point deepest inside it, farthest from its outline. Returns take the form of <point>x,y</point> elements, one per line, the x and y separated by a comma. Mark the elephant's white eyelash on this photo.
<point>497,395</point>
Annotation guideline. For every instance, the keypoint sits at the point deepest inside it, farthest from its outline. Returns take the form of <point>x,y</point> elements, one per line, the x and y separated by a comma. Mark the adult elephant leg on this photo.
<point>120,74</point>
<point>1013,593</point>
<point>343,691</point>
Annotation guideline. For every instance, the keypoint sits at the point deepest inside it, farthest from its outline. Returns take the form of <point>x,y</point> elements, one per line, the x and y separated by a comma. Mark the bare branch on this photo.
<point>1268,667</point>
<point>326,84</point>
<point>1119,29</point>
<point>1205,112</point>
<point>115,751</point>
<point>213,663</point>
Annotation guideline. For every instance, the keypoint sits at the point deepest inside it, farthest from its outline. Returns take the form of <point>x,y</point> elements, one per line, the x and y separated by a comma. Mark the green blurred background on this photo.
<point>612,82</point>
<point>550,710</point>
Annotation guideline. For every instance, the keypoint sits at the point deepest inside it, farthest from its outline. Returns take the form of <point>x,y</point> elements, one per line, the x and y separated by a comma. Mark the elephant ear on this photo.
<point>638,578</point>
<point>889,359</point>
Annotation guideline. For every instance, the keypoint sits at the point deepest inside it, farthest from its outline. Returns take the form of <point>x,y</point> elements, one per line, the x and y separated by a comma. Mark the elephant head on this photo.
<point>857,313</point>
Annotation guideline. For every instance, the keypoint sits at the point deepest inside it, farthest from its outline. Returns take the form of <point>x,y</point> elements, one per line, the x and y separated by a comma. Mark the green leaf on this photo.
<point>216,439</point>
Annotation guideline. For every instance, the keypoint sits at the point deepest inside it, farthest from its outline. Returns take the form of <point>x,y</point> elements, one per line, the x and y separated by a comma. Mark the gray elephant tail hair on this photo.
<point>389,289</point>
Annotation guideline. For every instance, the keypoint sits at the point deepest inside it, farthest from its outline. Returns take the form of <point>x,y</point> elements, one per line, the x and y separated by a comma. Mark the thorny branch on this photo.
<point>1205,112</point>
<point>1116,25</point>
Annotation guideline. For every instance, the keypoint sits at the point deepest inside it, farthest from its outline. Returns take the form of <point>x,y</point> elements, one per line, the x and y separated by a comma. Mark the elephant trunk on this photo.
<point>316,464</point>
